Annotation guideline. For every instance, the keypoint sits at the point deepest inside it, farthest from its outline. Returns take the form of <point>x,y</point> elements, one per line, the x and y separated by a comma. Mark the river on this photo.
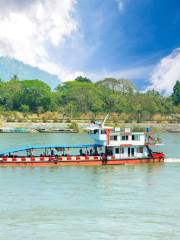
<point>84,203</point>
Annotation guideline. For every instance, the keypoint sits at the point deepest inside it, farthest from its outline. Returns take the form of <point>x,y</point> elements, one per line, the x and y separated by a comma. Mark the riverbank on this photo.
<point>83,125</point>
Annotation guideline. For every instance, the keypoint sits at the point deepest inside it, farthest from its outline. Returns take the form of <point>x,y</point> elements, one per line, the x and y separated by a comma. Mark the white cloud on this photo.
<point>29,28</point>
<point>166,73</point>
<point>120,4</point>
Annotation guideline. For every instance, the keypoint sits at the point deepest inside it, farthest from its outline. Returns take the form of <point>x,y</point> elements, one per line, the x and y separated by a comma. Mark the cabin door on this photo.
<point>132,152</point>
<point>129,152</point>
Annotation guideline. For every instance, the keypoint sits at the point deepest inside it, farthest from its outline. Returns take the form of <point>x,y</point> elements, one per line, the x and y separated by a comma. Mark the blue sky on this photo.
<point>139,35</point>
<point>134,39</point>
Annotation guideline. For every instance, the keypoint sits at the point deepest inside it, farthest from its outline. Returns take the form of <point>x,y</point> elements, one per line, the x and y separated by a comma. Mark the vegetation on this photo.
<point>82,98</point>
<point>176,93</point>
<point>74,126</point>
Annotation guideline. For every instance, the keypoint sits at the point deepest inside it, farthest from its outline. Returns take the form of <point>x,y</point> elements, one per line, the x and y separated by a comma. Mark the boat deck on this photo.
<point>26,156</point>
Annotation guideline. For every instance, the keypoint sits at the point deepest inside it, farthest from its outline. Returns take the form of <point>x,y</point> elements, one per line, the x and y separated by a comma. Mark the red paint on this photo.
<point>82,162</point>
<point>4,158</point>
<point>158,155</point>
<point>108,133</point>
<point>125,145</point>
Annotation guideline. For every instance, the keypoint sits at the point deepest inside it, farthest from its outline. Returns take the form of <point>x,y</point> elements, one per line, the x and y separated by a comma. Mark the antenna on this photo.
<point>105,119</point>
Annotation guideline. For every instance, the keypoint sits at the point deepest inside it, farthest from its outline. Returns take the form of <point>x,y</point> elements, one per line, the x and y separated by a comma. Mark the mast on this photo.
<point>103,123</point>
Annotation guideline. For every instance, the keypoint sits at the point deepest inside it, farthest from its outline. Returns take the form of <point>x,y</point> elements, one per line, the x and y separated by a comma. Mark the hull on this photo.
<point>56,131</point>
<point>94,162</point>
<point>173,130</point>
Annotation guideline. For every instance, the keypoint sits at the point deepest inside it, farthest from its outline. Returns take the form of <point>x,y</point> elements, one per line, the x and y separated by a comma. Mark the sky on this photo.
<point>134,39</point>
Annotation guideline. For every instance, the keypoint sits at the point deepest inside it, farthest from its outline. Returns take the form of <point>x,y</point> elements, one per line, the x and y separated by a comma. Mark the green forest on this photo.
<point>82,97</point>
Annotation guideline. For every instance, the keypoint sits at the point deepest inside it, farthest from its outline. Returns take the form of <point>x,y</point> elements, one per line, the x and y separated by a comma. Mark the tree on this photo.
<point>176,93</point>
<point>83,79</point>
<point>81,96</point>
<point>9,94</point>
<point>14,77</point>
<point>152,92</point>
<point>24,108</point>
<point>122,86</point>
<point>84,95</point>
<point>35,94</point>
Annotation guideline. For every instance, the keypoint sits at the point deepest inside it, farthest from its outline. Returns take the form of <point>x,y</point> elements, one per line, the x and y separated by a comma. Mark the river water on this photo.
<point>86,203</point>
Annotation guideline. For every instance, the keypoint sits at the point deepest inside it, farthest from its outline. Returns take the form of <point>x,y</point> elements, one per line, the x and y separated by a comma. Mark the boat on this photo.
<point>112,146</point>
<point>173,130</point>
<point>14,130</point>
<point>7,130</point>
<point>56,130</point>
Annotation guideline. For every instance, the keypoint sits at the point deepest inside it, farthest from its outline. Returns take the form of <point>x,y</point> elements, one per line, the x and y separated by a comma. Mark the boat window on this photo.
<point>140,149</point>
<point>95,131</point>
<point>122,150</point>
<point>135,137</point>
<point>124,137</point>
<point>113,138</point>
<point>103,132</point>
<point>117,150</point>
<point>109,151</point>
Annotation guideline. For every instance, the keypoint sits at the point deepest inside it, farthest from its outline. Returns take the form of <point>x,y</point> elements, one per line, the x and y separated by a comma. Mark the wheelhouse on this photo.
<point>122,142</point>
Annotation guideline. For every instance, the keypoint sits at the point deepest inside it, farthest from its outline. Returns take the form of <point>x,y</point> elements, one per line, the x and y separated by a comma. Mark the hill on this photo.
<point>10,67</point>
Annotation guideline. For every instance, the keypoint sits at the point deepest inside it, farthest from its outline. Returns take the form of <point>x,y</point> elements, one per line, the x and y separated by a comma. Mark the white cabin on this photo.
<point>121,143</point>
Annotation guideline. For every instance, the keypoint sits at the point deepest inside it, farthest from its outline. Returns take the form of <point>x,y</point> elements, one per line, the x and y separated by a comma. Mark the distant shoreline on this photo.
<point>33,125</point>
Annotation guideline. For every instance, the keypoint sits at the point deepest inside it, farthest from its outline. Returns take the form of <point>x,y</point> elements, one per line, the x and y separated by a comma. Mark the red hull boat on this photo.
<point>113,146</point>
<point>77,160</point>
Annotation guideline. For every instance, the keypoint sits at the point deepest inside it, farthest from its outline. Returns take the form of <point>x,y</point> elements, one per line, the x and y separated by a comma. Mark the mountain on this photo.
<point>10,67</point>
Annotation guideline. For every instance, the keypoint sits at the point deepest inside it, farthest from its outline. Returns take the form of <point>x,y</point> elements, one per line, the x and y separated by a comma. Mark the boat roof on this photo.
<point>95,127</point>
<point>20,149</point>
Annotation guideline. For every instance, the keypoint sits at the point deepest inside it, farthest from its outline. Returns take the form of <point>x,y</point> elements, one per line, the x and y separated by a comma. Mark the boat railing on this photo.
<point>153,141</point>
<point>49,158</point>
